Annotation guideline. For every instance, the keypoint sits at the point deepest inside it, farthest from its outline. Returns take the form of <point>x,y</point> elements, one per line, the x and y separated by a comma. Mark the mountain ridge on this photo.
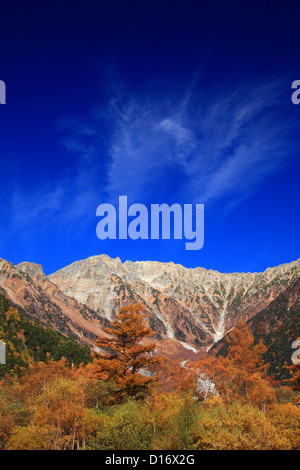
<point>190,309</point>
<point>172,263</point>
<point>206,301</point>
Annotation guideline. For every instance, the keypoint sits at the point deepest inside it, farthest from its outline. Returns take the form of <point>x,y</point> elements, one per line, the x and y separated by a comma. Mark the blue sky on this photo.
<point>186,102</point>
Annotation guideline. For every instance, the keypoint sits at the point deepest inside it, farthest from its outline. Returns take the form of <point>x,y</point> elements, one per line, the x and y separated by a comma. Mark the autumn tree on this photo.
<point>286,419</point>
<point>242,351</point>
<point>236,427</point>
<point>126,358</point>
<point>296,379</point>
<point>241,375</point>
<point>57,418</point>
<point>295,376</point>
<point>36,378</point>
<point>173,377</point>
<point>246,359</point>
<point>6,421</point>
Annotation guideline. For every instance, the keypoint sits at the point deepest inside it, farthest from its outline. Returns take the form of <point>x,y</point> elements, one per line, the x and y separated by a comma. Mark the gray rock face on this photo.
<point>195,306</point>
<point>32,269</point>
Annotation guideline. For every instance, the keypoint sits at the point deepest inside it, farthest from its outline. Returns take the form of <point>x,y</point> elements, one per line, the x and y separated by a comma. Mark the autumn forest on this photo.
<point>127,397</point>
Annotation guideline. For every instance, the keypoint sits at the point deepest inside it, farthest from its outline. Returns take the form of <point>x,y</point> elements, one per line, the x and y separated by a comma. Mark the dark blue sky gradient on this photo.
<point>163,101</point>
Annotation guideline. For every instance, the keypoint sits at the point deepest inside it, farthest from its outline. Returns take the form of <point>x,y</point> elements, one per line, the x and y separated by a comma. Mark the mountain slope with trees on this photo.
<point>28,342</point>
<point>52,406</point>
<point>278,325</point>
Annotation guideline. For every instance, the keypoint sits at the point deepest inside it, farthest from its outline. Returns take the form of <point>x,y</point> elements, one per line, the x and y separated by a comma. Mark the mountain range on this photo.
<point>190,309</point>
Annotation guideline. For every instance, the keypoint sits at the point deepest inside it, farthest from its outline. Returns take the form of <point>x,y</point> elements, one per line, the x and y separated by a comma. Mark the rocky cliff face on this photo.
<point>194,306</point>
<point>26,285</point>
<point>278,326</point>
<point>190,309</point>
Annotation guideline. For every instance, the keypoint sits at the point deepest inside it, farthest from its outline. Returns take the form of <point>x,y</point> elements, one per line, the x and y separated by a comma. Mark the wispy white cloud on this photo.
<point>198,147</point>
<point>188,146</point>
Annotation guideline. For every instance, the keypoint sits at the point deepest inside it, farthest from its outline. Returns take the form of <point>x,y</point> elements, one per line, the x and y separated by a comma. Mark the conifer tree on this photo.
<point>246,359</point>
<point>242,351</point>
<point>126,359</point>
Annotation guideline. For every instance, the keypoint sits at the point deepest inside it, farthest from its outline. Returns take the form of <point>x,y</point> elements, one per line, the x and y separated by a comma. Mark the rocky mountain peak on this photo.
<point>194,305</point>
<point>189,308</point>
<point>32,269</point>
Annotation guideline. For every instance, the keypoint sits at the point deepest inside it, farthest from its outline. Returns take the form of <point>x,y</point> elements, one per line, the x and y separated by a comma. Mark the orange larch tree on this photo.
<point>242,351</point>
<point>242,374</point>
<point>173,377</point>
<point>126,360</point>
<point>246,359</point>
